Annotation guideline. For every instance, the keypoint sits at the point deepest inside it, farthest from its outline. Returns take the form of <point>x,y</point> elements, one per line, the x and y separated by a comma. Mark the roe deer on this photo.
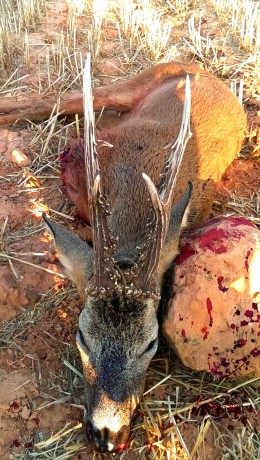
<point>135,227</point>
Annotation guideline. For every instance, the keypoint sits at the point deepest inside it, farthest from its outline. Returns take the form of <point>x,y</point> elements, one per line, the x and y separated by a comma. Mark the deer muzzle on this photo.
<point>105,439</point>
<point>109,425</point>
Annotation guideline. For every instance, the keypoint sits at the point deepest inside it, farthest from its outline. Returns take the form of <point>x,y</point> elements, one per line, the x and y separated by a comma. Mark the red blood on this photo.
<point>180,318</point>
<point>224,361</point>
<point>122,447</point>
<point>210,307</point>
<point>244,420</point>
<point>215,371</point>
<point>220,285</point>
<point>205,332</point>
<point>199,399</point>
<point>249,313</point>
<point>15,405</point>
<point>255,352</point>
<point>243,323</point>
<point>248,254</point>
<point>28,445</point>
<point>186,252</point>
<point>240,343</point>
<point>36,420</point>
<point>236,221</point>
<point>210,238</point>
<point>16,443</point>
<point>183,334</point>
<point>213,405</point>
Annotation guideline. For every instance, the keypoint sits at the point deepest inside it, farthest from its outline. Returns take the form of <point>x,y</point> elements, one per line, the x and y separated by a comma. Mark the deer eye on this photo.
<point>151,346</point>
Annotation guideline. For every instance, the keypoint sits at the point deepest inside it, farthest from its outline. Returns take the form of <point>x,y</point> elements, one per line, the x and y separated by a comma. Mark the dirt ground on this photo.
<point>39,308</point>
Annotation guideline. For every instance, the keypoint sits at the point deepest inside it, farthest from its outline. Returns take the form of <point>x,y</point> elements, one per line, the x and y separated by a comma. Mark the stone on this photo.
<point>213,316</point>
<point>30,425</point>
<point>111,66</point>
<point>25,413</point>
<point>20,158</point>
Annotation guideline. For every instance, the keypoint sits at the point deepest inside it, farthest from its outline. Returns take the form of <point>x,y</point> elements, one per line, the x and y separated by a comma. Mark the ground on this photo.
<point>40,379</point>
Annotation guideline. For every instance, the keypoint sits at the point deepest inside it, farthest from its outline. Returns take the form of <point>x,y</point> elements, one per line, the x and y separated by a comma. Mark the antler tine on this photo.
<point>162,200</point>
<point>91,159</point>
<point>173,163</point>
<point>105,273</point>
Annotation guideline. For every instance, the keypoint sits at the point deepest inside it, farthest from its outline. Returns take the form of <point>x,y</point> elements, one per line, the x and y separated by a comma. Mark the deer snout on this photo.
<point>105,440</point>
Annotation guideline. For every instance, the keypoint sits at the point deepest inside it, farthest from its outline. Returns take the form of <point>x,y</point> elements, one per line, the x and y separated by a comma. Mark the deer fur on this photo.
<point>138,196</point>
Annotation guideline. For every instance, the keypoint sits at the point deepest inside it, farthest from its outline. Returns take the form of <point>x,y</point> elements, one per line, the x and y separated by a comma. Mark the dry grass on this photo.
<point>17,19</point>
<point>247,206</point>
<point>180,407</point>
<point>178,403</point>
<point>245,22</point>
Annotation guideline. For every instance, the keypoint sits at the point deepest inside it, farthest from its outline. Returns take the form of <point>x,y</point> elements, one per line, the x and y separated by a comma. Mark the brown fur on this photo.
<point>154,99</point>
<point>118,330</point>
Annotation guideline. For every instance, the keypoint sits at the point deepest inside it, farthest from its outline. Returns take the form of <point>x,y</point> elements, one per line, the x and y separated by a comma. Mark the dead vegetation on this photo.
<point>184,414</point>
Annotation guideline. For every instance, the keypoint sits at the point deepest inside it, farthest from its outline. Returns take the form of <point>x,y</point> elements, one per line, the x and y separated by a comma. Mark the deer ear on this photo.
<point>179,214</point>
<point>75,255</point>
<point>178,219</point>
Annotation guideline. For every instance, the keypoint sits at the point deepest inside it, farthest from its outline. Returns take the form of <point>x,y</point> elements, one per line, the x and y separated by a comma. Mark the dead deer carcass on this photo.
<point>138,199</point>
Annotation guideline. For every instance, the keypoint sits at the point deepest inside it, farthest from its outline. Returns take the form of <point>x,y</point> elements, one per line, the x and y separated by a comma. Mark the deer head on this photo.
<point>118,327</point>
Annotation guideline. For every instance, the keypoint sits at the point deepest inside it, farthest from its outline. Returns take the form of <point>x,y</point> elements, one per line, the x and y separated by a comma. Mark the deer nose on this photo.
<point>104,440</point>
<point>99,438</point>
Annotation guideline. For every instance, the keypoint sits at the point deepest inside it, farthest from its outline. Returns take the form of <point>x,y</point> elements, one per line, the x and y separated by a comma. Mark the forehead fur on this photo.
<point>119,314</point>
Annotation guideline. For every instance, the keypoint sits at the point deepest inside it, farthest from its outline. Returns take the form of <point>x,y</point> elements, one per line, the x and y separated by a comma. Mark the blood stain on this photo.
<point>220,285</point>
<point>243,323</point>
<point>249,313</point>
<point>205,332</point>
<point>16,443</point>
<point>183,334</point>
<point>15,405</point>
<point>210,308</point>
<point>240,343</point>
<point>255,352</point>
<point>186,252</point>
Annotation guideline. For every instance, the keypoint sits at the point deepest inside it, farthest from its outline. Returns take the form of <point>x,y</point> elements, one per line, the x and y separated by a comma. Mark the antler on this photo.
<point>107,275</point>
<point>105,271</point>
<point>162,200</point>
